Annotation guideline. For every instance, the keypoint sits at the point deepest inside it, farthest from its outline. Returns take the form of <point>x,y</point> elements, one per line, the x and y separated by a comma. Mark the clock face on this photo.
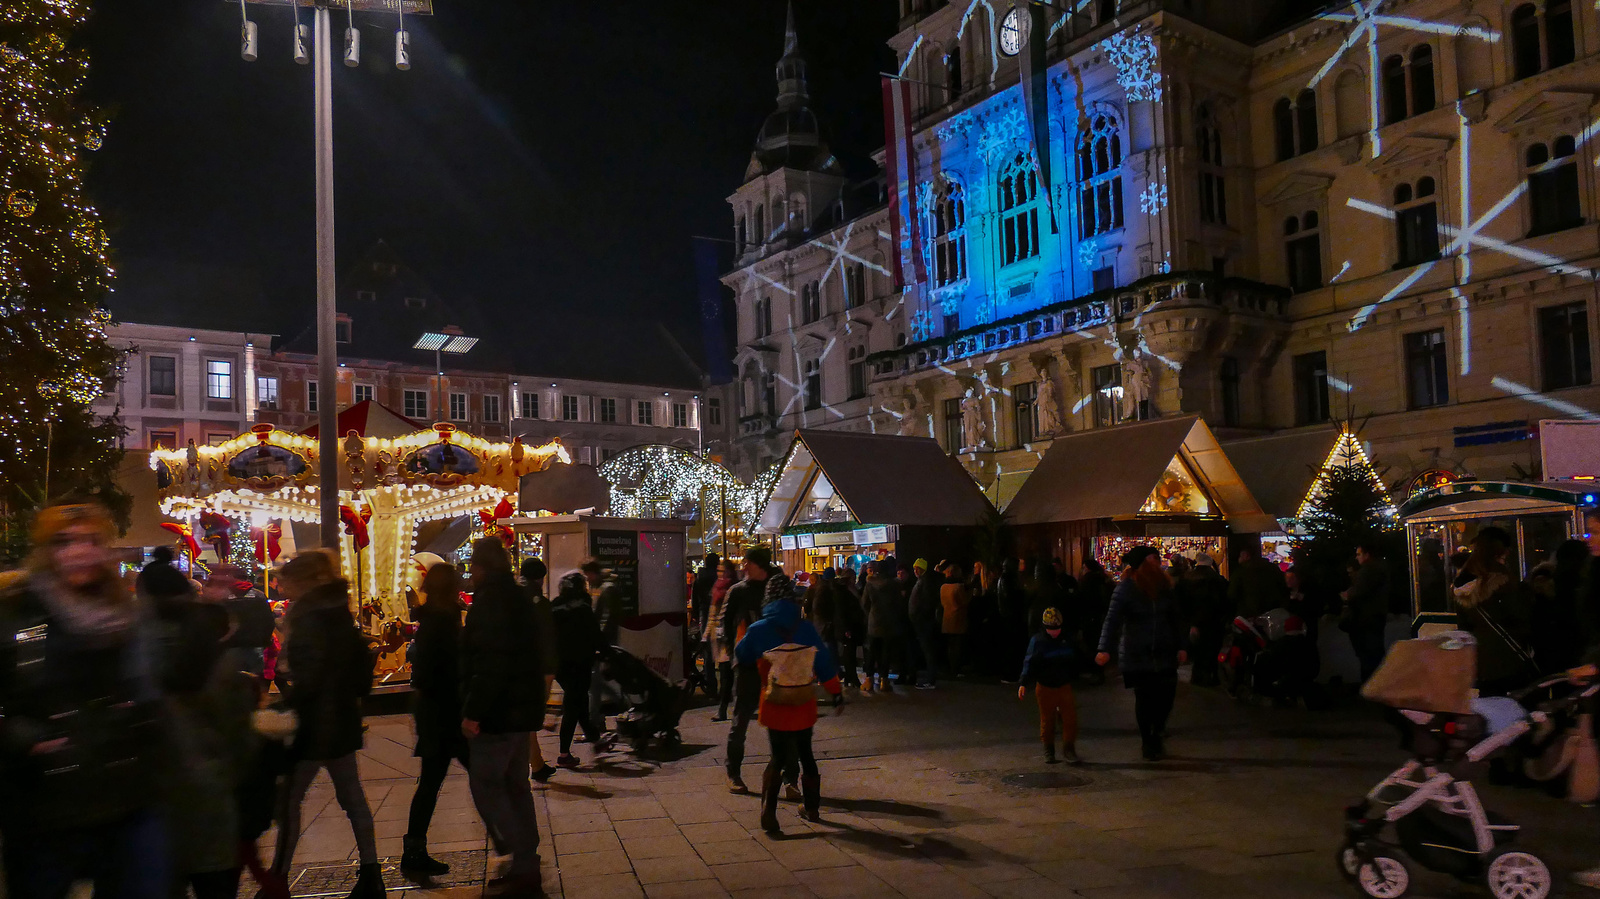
<point>1013,30</point>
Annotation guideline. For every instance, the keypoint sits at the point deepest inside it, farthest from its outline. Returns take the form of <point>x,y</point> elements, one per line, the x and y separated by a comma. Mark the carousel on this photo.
<point>391,488</point>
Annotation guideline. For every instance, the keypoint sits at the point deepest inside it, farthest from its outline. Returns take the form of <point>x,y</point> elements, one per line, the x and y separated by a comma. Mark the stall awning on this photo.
<point>1279,470</point>
<point>1112,472</point>
<point>372,419</point>
<point>833,477</point>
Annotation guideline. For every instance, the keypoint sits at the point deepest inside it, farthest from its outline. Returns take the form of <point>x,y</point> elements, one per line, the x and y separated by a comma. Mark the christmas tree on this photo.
<point>1346,507</point>
<point>54,270</point>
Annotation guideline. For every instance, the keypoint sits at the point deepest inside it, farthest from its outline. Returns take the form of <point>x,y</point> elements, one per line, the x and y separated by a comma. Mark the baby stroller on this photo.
<point>654,704</point>
<point>1437,819</point>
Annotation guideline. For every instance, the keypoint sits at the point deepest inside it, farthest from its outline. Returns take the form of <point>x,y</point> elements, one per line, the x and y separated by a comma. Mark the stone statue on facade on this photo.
<point>1051,422</point>
<point>972,420</point>
<point>1135,388</point>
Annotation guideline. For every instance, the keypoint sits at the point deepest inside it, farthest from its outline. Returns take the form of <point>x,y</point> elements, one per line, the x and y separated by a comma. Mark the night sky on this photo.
<point>548,161</point>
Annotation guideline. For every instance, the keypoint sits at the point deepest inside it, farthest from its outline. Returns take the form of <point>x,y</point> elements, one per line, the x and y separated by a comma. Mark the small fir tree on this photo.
<point>54,273</point>
<point>1346,507</point>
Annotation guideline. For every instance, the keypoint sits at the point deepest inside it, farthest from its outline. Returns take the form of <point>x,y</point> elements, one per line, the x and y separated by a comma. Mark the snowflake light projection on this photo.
<point>1089,252</point>
<point>1002,134</point>
<point>984,313</point>
<point>1134,55</point>
<point>1153,198</point>
<point>921,325</point>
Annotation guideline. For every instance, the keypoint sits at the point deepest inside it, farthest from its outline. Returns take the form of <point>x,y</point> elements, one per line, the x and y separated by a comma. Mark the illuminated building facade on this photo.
<point>1264,216</point>
<point>183,384</point>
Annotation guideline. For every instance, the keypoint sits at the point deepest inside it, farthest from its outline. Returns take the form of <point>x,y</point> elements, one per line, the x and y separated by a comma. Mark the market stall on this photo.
<point>1281,472</point>
<point>390,487</point>
<point>646,556</point>
<point>1164,483</point>
<point>843,498</point>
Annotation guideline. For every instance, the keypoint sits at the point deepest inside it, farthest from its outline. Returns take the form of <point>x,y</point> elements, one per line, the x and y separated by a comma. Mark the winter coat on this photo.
<point>1147,633</point>
<point>851,623</point>
<point>705,580</point>
<point>100,695</point>
<point>1257,586</point>
<point>1050,661</point>
<point>252,615</point>
<point>955,600</point>
<point>435,680</point>
<point>713,630</point>
<point>923,607</point>
<point>544,622</point>
<point>820,607</point>
<point>1367,604</point>
<point>885,608</point>
<point>1203,594</point>
<point>577,632</point>
<point>502,676</point>
<point>740,609</point>
<point>608,610</point>
<point>330,672</point>
<point>781,624</point>
<point>1493,608</point>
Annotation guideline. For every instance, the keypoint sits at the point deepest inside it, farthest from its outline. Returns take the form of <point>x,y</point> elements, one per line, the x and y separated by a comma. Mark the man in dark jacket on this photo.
<point>740,609</point>
<point>578,640</point>
<point>502,704</point>
<point>1257,586</point>
<point>1366,608</point>
<point>1203,595</point>
<point>532,572</point>
<point>923,610</point>
<point>80,722</point>
<point>1146,626</point>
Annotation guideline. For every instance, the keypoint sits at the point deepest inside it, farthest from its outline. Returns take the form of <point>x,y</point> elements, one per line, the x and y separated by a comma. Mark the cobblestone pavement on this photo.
<point>944,794</point>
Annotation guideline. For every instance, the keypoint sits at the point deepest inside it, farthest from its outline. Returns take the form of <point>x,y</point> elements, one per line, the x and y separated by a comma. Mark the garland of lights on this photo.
<point>664,481</point>
<point>1346,451</point>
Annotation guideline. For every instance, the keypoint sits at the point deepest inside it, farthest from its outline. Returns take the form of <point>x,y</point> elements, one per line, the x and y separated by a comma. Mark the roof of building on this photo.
<point>883,479</point>
<point>1110,472</point>
<point>791,137</point>
<point>1280,469</point>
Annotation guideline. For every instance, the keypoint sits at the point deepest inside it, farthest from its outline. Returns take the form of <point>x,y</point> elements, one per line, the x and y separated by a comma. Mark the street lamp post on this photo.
<point>327,346</point>
<point>450,340</point>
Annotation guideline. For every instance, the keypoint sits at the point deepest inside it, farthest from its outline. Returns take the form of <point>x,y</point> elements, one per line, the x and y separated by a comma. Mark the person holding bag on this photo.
<point>791,659</point>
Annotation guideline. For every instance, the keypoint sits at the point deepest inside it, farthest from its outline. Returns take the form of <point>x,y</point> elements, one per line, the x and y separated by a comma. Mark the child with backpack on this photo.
<point>792,660</point>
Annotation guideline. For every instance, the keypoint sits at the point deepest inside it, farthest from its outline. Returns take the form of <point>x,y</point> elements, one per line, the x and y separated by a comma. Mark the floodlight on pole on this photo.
<point>448,340</point>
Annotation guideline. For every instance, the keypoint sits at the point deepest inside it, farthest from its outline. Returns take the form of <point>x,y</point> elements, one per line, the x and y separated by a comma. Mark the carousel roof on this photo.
<point>372,419</point>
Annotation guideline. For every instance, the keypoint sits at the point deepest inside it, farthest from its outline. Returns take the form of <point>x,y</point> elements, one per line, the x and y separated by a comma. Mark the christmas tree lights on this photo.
<point>1348,470</point>
<point>55,270</point>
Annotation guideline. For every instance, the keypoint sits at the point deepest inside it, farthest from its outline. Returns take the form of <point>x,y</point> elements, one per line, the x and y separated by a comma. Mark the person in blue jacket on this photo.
<point>1050,665</point>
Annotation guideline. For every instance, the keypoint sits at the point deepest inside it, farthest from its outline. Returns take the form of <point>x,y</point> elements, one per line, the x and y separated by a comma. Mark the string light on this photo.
<point>1346,452</point>
<point>659,481</point>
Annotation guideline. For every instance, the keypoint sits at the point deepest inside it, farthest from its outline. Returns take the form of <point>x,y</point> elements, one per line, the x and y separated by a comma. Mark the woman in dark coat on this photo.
<point>1146,623</point>
<point>330,672</point>
<point>436,706</point>
<point>578,642</point>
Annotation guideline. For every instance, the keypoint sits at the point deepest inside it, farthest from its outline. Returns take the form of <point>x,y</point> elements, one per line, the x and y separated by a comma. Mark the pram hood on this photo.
<point>1428,674</point>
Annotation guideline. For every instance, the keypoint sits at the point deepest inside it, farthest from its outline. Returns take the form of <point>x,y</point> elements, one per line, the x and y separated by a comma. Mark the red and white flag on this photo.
<point>901,161</point>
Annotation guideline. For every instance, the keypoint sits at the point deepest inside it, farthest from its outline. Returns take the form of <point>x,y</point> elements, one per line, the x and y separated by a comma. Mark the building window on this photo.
<point>458,407</point>
<point>341,329</point>
<point>857,360</point>
<point>311,396</point>
<point>1564,346</point>
<point>1416,223</point>
<point>1311,388</point>
<point>1213,186</point>
<point>952,322</point>
<point>416,404</point>
<point>491,407</point>
<point>810,303</point>
<point>1100,176</point>
<point>1553,186</point>
<point>569,408</point>
<point>644,412</point>
<point>714,411</point>
<point>163,440</point>
<point>680,415</point>
<point>364,393</point>
<point>1024,407</point>
<point>219,379</point>
<point>764,317</point>
<point>1294,124</point>
<point>1408,89</point>
<point>163,376</point>
<point>856,285</point>
<point>952,73</point>
<point>769,393</point>
<point>1302,245</point>
<point>266,393</point>
<point>1103,278</point>
<point>606,453</point>
<point>813,383</point>
<point>1229,376</point>
<point>948,226</point>
<point>530,405</point>
<point>953,432</point>
<point>1427,369</point>
<point>1539,43</point>
<point>1106,381</point>
<point>1019,210</point>
<point>740,236</point>
<point>760,235</point>
<point>1422,94</point>
<point>608,410</point>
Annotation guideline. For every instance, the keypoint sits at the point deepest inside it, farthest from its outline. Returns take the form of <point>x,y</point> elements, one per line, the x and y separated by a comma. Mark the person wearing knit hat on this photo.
<point>72,638</point>
<point>1146,623</point>
<point>1049,666</point>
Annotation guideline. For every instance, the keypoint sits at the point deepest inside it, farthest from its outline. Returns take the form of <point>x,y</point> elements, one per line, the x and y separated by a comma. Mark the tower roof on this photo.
<point>791,136</point>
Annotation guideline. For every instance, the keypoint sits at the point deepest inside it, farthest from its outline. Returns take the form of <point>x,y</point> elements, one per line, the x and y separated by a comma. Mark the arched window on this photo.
<point>1283,128</point>
<point>1302,246</point>
<point>760,236</point>
<point>810,303</point>
<point>1539,43</point>
<point>947,228</point>
<point>1422,96</point>
<point>797,213</point>
<point>952,72</point>
<point>1394,89</point>
<point>1349,104</point>
<point>749,384</point>
<point>1019,210</point>
<point>1416,222</point>
<point>763,317</point>
<point>741,236</point>
<point>1213,185</point>
<point>1553,193</point>
<point>812,383</point>
<point>1100,178</point>
<point>1526,57</point>
<point>1305,119</point>
<point>857,361</point>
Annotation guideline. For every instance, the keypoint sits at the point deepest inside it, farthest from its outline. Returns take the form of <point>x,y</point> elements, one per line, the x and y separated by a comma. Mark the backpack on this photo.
<point>791,678</point>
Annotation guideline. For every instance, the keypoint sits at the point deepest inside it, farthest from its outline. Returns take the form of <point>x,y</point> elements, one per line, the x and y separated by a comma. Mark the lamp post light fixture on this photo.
<point>320,36</point>
<point>449,340</point>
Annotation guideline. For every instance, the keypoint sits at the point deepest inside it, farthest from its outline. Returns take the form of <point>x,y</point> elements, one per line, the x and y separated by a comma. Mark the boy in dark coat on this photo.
<point>1049,666</point>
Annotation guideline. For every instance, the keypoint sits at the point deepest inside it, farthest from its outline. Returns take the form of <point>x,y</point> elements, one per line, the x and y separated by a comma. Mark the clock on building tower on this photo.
<point>1013,31</point>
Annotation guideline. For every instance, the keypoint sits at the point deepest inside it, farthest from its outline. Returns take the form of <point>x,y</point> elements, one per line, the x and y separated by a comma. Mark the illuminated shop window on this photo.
<point>1019,210</point>
<point>1416,223</point>
<point>1302,247</point>
<point>1553,186</point>
<point>1213,187</point>
<point>1100,177</point>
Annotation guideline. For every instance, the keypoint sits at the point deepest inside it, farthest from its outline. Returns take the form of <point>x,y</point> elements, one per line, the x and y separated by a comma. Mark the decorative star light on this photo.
<point>1134,56</point>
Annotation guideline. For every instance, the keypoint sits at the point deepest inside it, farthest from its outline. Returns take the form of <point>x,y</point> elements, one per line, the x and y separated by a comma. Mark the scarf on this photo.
<point>101,618</point>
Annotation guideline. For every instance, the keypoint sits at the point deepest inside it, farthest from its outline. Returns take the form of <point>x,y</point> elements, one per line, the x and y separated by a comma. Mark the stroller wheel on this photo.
<point>1384,877</point>
<point>1518,875</point>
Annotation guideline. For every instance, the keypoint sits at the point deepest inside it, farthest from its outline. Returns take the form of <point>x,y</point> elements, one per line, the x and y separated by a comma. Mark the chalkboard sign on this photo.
<point>619,552</point>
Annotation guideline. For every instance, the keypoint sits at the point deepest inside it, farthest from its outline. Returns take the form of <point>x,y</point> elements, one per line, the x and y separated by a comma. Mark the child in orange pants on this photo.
<point>1050,665</point>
